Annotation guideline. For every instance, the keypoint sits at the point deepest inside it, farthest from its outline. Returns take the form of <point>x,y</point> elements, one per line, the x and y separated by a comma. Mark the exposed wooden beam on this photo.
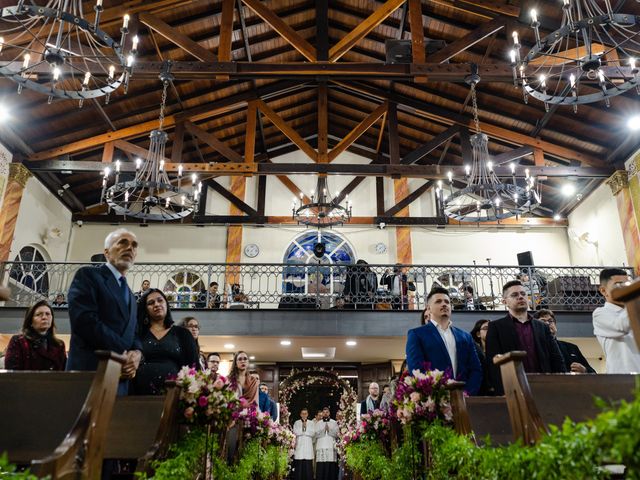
<point>226,32</point>
<point>250,133</point>
<point>211,140</point>
<point>262,193</point>
<point>176,37</point>
<point>322,30</point>
<point>417,193</point>
<point>483,31</point>
<point>363,28</point>
<point>178,142</point>
<point>417,35</point>
<point>380,196</point>
<point>107,152</point>
<point>230,197</point>
<point>323,123</point>
<point>284,30</point>
<point>374,169</point>
<point>512,155</point>
<point>134,149</point>
<point>359,129</point>
<point>418,154</point>
<point>538,157</point>
<point>394,138</point>
<point>287,130</point>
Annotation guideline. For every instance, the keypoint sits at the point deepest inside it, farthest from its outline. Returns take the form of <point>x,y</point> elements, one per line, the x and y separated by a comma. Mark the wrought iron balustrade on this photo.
<point>322,286</point>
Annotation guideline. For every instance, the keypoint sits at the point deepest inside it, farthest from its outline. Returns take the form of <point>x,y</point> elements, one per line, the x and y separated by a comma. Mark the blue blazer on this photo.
<point>99,317</point>
<point>424,344</point>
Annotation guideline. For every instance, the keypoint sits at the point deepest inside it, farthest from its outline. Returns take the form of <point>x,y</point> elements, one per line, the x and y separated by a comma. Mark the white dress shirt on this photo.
<point>304,439</point>
<point>450,343</point>
<point>611,328</point>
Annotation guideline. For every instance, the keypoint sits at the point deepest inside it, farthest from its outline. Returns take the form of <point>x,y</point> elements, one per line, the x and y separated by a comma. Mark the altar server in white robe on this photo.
<point>304,430</point>
<point>326,455</point>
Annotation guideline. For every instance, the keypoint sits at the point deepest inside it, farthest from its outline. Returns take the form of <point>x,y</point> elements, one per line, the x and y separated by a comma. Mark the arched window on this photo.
<point>30,271</point>
<point>183,290</point>
<point>317,275</point>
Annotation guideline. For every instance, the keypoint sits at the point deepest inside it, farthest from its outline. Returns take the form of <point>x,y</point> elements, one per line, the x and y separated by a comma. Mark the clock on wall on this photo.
<point>251,250</point>
<point>381,248</point>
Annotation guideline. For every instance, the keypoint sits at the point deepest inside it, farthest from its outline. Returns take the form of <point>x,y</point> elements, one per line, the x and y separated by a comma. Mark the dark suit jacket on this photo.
<point>363,405</point>
<point>502,338</point>
<point>571,353</point>
<point>99,318</point>
<point>424,344</point>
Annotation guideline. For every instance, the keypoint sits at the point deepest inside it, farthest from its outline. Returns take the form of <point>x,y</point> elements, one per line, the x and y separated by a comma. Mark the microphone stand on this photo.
<point>493,295</point>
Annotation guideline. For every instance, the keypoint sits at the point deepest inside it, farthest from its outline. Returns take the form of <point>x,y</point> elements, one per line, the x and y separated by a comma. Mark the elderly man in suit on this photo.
<point>102,309</point>
<point>518,330</point>
<point>443,346</point>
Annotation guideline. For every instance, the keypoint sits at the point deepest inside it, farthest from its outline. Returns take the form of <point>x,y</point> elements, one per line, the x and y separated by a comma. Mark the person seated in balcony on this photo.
<point>439,345</point>
<point>214,296</point>
<point>60,301</point>
<point>399,285</point>
<point>470,301</point>
<point>372,402</point>
<point>146,285</point>
<point>239,299</point>
<point>360,286</point>
<point>166,347</point>
<point>574,361</point>
<point>37,347</point>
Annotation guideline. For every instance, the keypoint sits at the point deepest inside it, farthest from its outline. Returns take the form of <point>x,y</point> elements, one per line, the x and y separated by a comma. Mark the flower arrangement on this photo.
<point>205,401</point>
<point>423,396</point>
<point>375,426</point>
<point>257,424</point>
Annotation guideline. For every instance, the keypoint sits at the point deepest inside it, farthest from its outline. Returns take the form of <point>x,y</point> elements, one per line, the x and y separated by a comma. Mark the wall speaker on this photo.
<point>525,259</point>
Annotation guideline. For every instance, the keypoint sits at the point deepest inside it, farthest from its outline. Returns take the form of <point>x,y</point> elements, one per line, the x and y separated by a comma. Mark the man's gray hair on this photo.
<point>111,238</point>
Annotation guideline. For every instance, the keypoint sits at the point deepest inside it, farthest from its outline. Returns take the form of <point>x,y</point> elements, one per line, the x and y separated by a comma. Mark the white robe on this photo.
<point>326,434</point>
<point>304,440</point>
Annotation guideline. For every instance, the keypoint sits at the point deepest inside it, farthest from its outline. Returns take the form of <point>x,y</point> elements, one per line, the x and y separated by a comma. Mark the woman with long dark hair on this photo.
<point>479,335</point>
<point>166,348</point>
<point>37,347</point>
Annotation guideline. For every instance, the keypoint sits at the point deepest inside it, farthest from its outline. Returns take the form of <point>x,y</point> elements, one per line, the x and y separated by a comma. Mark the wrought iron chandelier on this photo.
<point>323,210</point>
<point>151,195</point>
<point>54,50</point>
<point>588,59</point>
<point>485,197</point>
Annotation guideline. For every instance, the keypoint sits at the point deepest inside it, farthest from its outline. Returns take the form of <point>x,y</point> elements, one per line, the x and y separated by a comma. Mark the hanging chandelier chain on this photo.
<point>474,104</point>
<point>165,85</point>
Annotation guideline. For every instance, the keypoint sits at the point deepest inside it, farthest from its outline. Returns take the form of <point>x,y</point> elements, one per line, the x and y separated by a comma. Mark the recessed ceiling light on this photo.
<point>315,355</point>
<point>285,343</point>
<point>351,343</point>
<point>634,123</point>
<point>252,357</point>
<point>229,346</point>
<point>568,189</point>
<point>557,217</point>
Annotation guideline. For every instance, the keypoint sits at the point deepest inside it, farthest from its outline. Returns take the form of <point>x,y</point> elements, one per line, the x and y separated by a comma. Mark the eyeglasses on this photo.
<point>193,327</point>
<point>547,320</point>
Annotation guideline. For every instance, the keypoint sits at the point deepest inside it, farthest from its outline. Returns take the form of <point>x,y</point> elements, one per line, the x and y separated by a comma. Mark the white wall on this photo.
<point>39,211</point>
<point>594,233</point>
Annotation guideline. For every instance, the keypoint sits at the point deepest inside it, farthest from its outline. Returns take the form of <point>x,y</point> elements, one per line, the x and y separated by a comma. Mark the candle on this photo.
<point>125,21</point>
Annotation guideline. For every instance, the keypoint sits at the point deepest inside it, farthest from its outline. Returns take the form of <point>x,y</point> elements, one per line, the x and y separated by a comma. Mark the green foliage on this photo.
<point>185,458</point>
<point>574,450</point>
<point>9,471</point>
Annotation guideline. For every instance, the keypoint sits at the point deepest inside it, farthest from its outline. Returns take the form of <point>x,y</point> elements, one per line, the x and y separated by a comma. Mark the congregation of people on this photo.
<point>105,314</point>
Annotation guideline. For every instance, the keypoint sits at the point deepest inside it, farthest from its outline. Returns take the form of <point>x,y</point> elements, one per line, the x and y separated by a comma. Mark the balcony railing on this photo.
<point>322,286</point>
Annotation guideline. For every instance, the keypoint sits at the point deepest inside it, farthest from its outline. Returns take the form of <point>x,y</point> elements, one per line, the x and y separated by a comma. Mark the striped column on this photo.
<point>404,253</point>
<point>619,184</point>
<point>234,232</point>
<point>16,181</point>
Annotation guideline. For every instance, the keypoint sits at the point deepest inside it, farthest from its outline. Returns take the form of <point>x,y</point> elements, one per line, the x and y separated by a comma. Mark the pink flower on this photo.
<point>218,384</point>
<point>415,396</point>
<point>202,401</point>
<point>188,413</point>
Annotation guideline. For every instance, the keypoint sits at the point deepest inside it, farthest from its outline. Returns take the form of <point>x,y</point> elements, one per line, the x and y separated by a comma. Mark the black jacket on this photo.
<point>571,353</point>
<point>502,338</point>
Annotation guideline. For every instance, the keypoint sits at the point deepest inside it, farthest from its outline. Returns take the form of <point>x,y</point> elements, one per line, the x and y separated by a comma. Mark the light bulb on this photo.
<point>118,166</point>
<point>497,202</point>
<point>513,168</point>
<point>167,202</point>
<point>515,38</point>
<point>450,176</point>
<point>180,170</point>
<point>512,55</point>
<point>87,76</point>
<point>56,74</point>
<point>112,72</point>
<point>106,172</point>
<point>134,43</point>
<point>572,80</point>
<point>632,62</point>
<point>126,196</point>
<point>138,163</point>
<point>490,165</point>
<point>439,184</point>
<point>1,43</point>
<point>526,173</point>
<point>543,81</point>
<point>161,165</point>
<point>130,61</point>
<point>534,15</point>
<point>601,76</point>
<point>125,21</point>
<point>194,178</point>
<point>25,63</point>
<point>467,170</point>
<point>557,217</point>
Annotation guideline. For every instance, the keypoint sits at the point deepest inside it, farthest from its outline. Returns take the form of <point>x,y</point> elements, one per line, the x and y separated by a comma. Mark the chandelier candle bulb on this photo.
<point>534,16</point>
<point>450,176</point>
<point>513,168</point>
<point>180,170</point>
<point>526,173</point>
<point>167,203</point>
<point>516,41</point>
<point>467,170</point>
<point>161,165</point>
<point>138,163</point>
<point>1,43</point>
<point>134,44</point>
<point>125,21</point>
<point>194,179</point>
<point>25,63</point>
<point>490,166</point>
<point>117,166</point>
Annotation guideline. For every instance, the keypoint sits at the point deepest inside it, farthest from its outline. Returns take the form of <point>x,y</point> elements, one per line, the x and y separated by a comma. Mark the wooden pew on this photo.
<point>143,427</point>
<point>40,418</point>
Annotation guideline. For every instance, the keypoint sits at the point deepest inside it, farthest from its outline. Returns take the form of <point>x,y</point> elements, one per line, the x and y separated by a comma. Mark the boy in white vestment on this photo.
<point>304,430</point>
<point>326,456</point>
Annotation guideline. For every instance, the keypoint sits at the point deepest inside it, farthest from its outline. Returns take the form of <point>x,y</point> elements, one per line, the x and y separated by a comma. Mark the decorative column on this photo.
<point>404,252</point>
<point>16,181</point>
<point>619,184</point>
<point>234,232</point>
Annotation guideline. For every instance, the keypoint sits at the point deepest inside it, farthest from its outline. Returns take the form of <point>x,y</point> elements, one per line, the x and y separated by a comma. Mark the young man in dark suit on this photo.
<point>574,361</point>
<point>442,345</point>
<point>518,330</point>
<point>102,309</point>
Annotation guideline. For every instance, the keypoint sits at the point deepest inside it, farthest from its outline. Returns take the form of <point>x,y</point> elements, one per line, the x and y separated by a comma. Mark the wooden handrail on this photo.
<point>461,419</point>
<point>80,454</point>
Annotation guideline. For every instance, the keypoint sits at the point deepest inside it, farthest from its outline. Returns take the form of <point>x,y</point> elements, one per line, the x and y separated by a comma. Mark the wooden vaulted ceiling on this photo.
<point>366,102</point>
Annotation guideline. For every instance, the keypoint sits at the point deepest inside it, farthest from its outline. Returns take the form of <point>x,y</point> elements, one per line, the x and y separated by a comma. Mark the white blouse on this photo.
<point>326,434</point>
<point>304,439</point>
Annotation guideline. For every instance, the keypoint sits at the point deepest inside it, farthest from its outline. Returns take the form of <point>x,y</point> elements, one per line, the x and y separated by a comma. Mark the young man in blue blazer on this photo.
<point>442,346</point>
